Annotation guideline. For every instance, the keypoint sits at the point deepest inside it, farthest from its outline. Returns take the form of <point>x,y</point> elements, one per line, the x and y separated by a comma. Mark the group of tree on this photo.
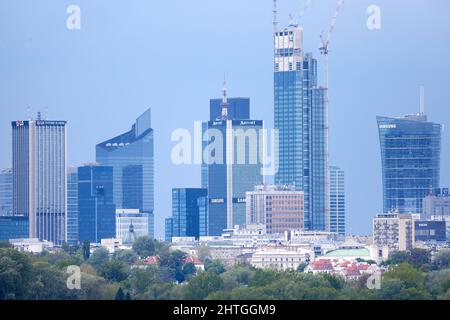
<point>124,276</point>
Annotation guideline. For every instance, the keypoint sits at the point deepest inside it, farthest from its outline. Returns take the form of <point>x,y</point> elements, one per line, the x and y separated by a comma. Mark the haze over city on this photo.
<point>130,56</point>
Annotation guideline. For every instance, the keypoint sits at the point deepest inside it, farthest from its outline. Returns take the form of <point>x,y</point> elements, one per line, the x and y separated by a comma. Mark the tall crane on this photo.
<point>324,50</point>
<point>326,42</point>
<point>295,20</point>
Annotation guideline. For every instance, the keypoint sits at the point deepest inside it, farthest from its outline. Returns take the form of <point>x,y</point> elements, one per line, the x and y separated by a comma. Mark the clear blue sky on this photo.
<point>171,56</point>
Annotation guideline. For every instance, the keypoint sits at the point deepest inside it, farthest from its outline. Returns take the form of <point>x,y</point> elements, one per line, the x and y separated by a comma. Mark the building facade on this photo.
<point>232,166</point>
<point>131,224</point>
<point>39,177</point>
<point>430,231</point>
<point>279,208</point>
<point>186,210</point>
<point>96,209</point>
<point>392,232</point>
<point>337,200</point>
<point>72,205</point>
<point>131,155</point>
<point>436,203</point>
<point>301,121</point>
<point>410,156</point>
<point>14,227</point>
<point>6,192</point>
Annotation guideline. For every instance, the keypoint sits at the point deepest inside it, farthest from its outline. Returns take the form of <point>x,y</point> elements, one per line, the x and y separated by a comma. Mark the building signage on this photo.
<point>217,200</point>
<point>388,126</point>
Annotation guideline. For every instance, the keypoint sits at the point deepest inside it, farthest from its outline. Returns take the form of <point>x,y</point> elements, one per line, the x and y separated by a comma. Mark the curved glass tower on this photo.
<point>132,157</point>
<point>410,156</point>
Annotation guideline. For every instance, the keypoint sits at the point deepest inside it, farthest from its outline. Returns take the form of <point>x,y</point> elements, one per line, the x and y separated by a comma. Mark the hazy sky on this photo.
<point>171,56</point>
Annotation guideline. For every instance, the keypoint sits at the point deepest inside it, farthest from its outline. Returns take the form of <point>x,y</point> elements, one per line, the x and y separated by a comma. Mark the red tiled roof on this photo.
<point>153,260</point>
<point>194,260</point>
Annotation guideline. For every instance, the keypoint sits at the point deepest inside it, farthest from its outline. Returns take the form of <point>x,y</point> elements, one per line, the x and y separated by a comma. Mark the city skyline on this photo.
<point>358,221</point>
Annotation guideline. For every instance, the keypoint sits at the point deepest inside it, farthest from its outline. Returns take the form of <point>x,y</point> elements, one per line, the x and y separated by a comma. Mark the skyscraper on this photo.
<point>410,157</point>
<point>337,200</point>
<point>6,192</point>
<point>72,205</point>
<point>96,210</point>
<point>131,156</point>
<point>301,120</point>
<point>39,177</point>
<point>232,167</point>
<point>186,212</point>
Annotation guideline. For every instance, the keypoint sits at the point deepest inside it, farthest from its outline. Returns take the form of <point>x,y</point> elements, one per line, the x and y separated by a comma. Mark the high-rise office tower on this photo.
<point>231,168</point>
<point>72,205</point>
<point>6,192</point>
<point>39,177</point>
<point>131,156</point>
<point>301,121</point>
<point>96,209</point>
<point>410,157</point>
<point>337,200</point>
<point>186,211</point>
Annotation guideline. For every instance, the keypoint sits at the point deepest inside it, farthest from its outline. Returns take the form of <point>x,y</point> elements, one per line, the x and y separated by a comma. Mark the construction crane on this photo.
<point>295,21</point>
<point>324,49</point>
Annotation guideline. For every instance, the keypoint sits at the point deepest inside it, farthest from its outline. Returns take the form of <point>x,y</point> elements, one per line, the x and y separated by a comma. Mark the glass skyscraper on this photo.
<point>301,121</point>
<point>6,192</point>
<point>337,200</point>
<point>186,212</point>
<point>72,205</point>
<point>39,177</point>
<point>410,157</point>
<point>131,156</point>
<point>232,167</point>
<point>96,209</point>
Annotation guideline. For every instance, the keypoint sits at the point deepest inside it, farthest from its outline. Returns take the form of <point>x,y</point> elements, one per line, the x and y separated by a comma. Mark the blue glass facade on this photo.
<point>301,120</point>
<point>410,157</point>
<point>337,200</point>
<point>233,168</point>
<point>72,205</point>
<point>96,209</point>
<point>169,229</point>
<point>430,231</point>
<point>238,109</point>
<point>14,227</point>
<point>6,192</point>
<point>131,156</point>
<point>186,211</point>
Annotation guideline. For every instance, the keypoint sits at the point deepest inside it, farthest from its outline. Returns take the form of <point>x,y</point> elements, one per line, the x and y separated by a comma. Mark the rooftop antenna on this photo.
<point>422,100</point>
<point>29,113</point>
<point>224,100</point>
<point>39,116</point>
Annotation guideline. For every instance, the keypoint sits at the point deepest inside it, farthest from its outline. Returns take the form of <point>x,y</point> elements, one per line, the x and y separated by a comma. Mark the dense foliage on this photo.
<point>123,276</point>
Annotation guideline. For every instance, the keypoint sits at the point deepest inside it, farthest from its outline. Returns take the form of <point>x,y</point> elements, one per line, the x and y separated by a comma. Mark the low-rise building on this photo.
<point>32,245</point>
<point>392,232</point>
<point>112,245</point>
<point>281,259</point>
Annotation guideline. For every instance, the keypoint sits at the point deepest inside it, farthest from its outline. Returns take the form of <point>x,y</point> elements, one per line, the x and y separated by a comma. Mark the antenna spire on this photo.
<point>422,100</point>
<point>224,100</point>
